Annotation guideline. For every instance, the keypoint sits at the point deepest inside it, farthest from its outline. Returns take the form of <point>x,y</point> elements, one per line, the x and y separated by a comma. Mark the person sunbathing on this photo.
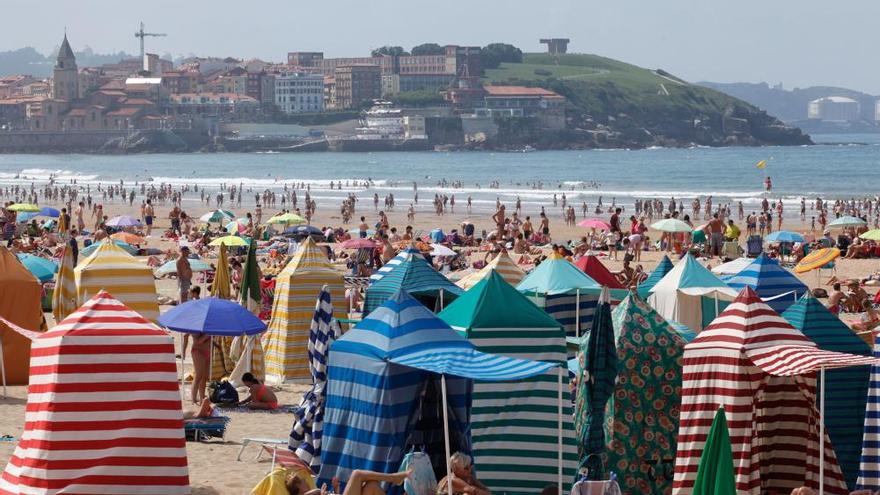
<point>868,320</point>
<point>361,482</point>
<point>261,396</point>
<point>463,479</point>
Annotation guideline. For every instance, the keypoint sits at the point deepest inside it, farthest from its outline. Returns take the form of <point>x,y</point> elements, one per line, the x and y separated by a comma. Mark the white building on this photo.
<point>297,92</point>
<point>834,108</point>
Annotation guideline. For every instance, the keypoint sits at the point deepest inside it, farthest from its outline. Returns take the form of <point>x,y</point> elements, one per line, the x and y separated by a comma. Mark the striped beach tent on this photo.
<point>763,371</point>
<point>869,465</point>
<point>501,264</point>
<point>778,287</point>
<point>690,294</point>
<point>385,382</point>
<point>305,436</point>
<point>598,272</point>
<point>64,295</point>
<point>641,419</point>
<point>20,305</point>
<point>103,412</point>
<point>564,292</point>
<point>845,388</point>
<point>393,262</point>
<point>514,424</point>
<point>222,364</point>
<point>659,272</point>
<point>298,285</point>
<point>112,269</point>
<point>415,276</point>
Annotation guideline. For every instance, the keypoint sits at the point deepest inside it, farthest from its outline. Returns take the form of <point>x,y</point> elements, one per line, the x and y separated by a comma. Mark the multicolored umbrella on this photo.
<point>817,259</point>
<point>596,382</point>
<point>41,268</point>
<point>305,436</point>
<point>594,223</point>
<point>715,471</point>
<point>64,295</point>
<point>250,281</point>
<point>236,226</point>
<point>217,216</point>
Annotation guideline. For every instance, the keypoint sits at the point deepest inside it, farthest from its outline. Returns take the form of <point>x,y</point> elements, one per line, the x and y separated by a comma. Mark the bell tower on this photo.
<point>65,80</point>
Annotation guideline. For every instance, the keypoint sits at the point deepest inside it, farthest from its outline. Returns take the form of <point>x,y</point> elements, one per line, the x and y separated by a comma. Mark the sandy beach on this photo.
<point>212,464</point>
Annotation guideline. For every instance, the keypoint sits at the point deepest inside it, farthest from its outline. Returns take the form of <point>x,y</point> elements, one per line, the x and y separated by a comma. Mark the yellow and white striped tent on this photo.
<point>112,269</point>
<point>296,290</point>
<point>503,264</point>
<point>64,295</point>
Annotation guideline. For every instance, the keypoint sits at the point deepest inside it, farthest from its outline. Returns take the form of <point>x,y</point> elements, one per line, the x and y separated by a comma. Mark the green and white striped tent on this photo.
<point>515,425</point>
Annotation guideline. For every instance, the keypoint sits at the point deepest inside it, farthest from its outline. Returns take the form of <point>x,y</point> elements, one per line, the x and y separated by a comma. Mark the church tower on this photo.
<point>65,82</point>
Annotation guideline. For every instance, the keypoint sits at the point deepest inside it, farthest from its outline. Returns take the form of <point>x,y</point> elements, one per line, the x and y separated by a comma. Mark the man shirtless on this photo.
<point>149,213</point>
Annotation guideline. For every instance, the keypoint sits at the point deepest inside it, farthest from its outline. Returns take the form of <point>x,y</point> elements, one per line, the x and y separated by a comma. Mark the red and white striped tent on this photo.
<point>763,371</point>
<point>103,412</point>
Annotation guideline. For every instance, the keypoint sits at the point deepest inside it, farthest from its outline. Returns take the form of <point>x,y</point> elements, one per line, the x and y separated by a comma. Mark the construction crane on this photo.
<point>141,34</point>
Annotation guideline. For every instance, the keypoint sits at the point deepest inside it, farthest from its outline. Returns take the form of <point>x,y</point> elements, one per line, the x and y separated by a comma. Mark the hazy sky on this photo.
<point>797,42</point>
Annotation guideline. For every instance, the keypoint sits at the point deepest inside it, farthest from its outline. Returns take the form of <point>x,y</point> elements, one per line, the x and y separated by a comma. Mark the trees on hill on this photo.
<point>493,54</point>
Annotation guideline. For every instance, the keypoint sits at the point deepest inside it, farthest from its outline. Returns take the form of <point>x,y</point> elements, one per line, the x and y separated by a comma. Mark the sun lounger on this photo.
<point>203,428</point>
<point>262,441</point>
<point>283,457</point>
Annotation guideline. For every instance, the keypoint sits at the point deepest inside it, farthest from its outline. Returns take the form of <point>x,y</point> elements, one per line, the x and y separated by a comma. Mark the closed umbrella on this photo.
<point>715,471</point>
<point>250,295</point>
<point>220,286</point>
<point>217,216</point>
<point>784,236</point>
<point>594,223</point>
<point>64,295</point>
<point>847,221</point>
<point>671,225</point>
<point>41,268</point>
<point>596,382</point>
<point>229,240</point>
<point>123,221</point>
<point>305,436</point>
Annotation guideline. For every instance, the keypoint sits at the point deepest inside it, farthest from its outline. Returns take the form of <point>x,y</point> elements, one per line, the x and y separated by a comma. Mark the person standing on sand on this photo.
<point>78,213</point>
<point>184,274</point>
<point>148,216</point>
<point>499,218</point>
<point>716,232</point>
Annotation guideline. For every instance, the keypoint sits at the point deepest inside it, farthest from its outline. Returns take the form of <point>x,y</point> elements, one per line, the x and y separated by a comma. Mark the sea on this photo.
<point>839,166</point>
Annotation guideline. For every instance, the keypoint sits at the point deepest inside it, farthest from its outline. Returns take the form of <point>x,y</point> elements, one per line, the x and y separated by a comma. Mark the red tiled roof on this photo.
<point>518,91</point>
<point>124,112</point>
<point>77,112</point>
<point>137,101</point>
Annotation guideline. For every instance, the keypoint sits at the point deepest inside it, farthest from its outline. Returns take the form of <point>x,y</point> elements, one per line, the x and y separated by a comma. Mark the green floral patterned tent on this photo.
<point>641,417</point>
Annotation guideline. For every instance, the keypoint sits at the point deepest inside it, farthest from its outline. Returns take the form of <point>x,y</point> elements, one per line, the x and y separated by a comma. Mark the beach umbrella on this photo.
<point>64,295</point>
<point>817,259</point>
<point>305,436</point>
<point>24,216</point>
<point>733,267</point>
<point>212,316</point>
<point>847,221</point>
<point>229,240</point>
<point>220,285</point>
<point>303,230</point>
<point>596,383</point>
<point>123,221</point>
<point>359,243</point>
<point>41,268</point>
<point>236,227</point>
<point>171,267</point>
<point>128,238</point>
<point>441,250</point>
<point>28,207</point>
<point>671,225</point>
<point>784,236</point>
<point>287,219</point>
<point>594,223</point>
<point>88,250</point>
<point>871,235</point>
<point>715,471</point>
<point>250,293</point>
<point>217,216</point>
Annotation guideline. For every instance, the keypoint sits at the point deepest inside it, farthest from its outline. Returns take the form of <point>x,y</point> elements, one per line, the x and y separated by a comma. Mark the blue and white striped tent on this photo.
<point>778,287</point>
<point>414,276</point>
<point>383,388</point>
<point>869,467</point>
<point>393,262</point>
<point>845,388</point>
<point>659,272</point>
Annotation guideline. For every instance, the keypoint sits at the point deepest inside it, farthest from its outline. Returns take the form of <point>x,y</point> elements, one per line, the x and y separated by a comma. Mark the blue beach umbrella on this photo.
<point>784,236</point>
<point>197,265</point>
<point>212,316</point>
<point>41,268</point>
<point>303,230</point>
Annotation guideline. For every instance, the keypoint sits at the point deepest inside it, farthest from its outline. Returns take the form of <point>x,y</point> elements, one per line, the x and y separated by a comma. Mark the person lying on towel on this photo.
<point>361,482</point>
<point>261,396</point>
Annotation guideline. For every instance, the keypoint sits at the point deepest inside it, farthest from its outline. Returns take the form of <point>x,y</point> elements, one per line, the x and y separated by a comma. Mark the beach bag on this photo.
<point>224,393</point>
<point>422,480</point>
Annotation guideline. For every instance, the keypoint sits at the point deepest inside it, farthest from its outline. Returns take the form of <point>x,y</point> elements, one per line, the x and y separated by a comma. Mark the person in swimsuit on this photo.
<point>464,482</point>
<point>360,482</point>
<point>148,217</point>
<point>261,396</point>
<point>201,357</point>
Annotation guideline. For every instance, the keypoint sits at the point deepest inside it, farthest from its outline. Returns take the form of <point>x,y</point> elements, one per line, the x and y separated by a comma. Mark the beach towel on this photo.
<point>422,480</point>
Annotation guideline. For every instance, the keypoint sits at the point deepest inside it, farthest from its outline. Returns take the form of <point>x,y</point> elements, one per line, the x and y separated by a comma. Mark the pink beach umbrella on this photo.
<point>594,223</point>
<point>358,243</point>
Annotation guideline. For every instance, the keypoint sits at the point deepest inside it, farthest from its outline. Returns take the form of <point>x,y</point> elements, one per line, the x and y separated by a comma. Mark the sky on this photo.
<point>796,42</point>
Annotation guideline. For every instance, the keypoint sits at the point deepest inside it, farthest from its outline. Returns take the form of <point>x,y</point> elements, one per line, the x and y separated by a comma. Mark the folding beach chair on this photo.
<point>198,429</point>
<point>754,246</point>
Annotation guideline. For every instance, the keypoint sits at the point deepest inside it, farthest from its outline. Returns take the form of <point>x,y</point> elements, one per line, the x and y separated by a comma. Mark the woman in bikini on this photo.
<point>261,396</point>
<point>201,357</point>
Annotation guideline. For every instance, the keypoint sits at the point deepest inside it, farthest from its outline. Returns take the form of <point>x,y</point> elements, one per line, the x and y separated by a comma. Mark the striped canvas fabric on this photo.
<point>659,272</point>
<point>112,269</point>
<point>298,285</point>
<point>869,465</point>
<point>514,425</point>
<point>104,412</point>
<point>412,275</point>
<point>393,262</point>
<point>64,295</point>
<point>562,307</point>
<point>502,264</point>
<point>777,286</point>
<point>763,371</point>
<point>846,388</point>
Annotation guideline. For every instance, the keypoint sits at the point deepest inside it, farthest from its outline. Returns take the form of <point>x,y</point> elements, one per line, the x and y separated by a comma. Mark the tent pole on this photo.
<point>446,435</point>
<point>577,314</point>
<point>441,299</point>
<point>822,431</point>
<point>559,428</point>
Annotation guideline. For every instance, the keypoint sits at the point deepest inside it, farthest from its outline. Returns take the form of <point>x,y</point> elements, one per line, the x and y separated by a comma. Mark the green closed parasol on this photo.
<point>715,473</point>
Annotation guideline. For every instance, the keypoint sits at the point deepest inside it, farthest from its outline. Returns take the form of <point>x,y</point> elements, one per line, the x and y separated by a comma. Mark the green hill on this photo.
<point>620,101</point>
